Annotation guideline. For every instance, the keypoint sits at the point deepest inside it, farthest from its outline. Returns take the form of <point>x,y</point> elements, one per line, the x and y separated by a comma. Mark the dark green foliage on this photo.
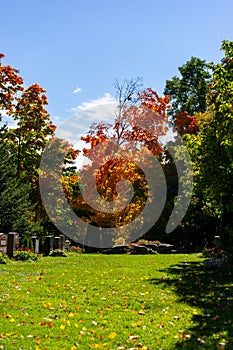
<point>188,93</point>
<point>16,210</point>
<point>26,241</point>
<point>218,141</point>
<point>209,98</point>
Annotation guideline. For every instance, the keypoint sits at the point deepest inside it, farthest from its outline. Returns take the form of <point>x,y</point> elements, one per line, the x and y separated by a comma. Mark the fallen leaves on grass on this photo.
<point>112,335</point>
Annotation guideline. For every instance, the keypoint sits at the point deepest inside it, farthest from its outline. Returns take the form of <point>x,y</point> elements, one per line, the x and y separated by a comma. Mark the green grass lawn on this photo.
<point>115,302</point>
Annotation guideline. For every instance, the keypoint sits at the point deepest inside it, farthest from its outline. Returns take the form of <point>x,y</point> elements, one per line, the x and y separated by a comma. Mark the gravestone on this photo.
<point>56,243</point>
<point>62,242</point>
<point>3,243</point>
<point>59,242</point>
<point>35,242</point>
<point>48,245</point>
<point>12,243</point>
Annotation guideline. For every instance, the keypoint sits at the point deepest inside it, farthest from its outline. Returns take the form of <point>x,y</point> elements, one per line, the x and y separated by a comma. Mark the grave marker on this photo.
<point>12,243</point>
<point>3,243</point>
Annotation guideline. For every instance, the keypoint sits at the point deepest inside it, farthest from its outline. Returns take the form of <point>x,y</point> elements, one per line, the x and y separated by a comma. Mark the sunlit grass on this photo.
<point>111,302</point>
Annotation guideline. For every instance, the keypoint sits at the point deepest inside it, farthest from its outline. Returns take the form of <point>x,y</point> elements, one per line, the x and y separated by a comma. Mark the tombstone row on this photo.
<point>9,243</point>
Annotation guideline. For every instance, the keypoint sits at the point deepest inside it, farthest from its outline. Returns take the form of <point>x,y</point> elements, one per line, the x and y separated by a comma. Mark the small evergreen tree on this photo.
<point>16,210</point>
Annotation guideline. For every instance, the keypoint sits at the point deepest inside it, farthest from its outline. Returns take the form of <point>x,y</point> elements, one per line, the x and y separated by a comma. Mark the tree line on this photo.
<point>197,104</point>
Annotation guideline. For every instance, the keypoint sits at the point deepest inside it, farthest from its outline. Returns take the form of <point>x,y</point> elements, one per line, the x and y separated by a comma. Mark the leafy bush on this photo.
<point>25,254</point>
<point>3,258</point>
<point>217,257</point>
<point>75,249</point>
<point>57,252</point>
<point>215,253</point>
<point>206,252</point>
<point>26,241</point>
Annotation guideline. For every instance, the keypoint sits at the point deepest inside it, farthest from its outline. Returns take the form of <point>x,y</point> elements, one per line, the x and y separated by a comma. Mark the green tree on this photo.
<point>188,92</point>
<point>211,149</point>
<point>217,140</point>
<point>16,210</point>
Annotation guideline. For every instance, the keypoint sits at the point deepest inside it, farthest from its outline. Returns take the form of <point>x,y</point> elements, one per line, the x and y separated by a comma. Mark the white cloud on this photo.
<point>77,90</point>
<point>106,99</point>
<point>98,110</point>
<point>102,109</point>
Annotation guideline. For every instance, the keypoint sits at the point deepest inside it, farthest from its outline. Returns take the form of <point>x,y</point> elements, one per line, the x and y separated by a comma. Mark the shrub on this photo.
<point>57,252</point>
<point>25,254</point>
<point>3,258</point>
<point>75,249</point>
<point>217,257</point>
<point>206,252</point>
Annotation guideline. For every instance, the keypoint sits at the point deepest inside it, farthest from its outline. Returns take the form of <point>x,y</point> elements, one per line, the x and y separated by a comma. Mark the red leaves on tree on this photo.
<point>186,124</point>
<point>10,84</point>
<point>136,127</point>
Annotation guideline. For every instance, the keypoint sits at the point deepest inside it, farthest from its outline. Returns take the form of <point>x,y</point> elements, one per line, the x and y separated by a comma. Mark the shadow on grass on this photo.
<point>210,291</point>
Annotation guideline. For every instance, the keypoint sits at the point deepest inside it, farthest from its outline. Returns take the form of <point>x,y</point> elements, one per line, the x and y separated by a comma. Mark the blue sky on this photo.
<point>84,45</point>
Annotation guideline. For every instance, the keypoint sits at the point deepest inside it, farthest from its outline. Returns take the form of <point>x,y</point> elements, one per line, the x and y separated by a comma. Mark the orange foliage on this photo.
<point>135,128</point>
<point>186,124</point>
<point>10,84</point>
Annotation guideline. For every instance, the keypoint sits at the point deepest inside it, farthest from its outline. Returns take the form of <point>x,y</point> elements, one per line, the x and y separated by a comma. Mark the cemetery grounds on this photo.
<point>95,301</point>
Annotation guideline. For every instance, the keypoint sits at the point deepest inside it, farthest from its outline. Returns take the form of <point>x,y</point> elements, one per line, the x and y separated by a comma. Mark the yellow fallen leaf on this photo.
<point>9,334</point>
<point>112,335</point>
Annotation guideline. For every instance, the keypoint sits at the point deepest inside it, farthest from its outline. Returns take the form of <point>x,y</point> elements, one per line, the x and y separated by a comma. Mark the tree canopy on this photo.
<point>210,145</point>
<point>188,92</point>
<point>200,105</point>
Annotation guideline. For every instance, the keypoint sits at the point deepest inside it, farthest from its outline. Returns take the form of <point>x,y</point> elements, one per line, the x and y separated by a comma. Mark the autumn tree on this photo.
<point>10,85</point>
<point>27,140</point>
<point>33,124</point>
<point>57,180</point>
<point>113,152</point>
